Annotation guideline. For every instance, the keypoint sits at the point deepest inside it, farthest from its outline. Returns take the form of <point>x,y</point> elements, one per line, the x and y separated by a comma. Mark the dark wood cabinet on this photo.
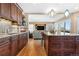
<point>5,46</point>
<point>14,45</point>
<point>19,17</point>
<point>23,39</point>
<point>14,12</point>
<point>20,42</point>
<point>77,45</point>
<point>61,45</point>
<point>11,11</point>
<point>68,45</point>
<point>11,46</point>
<point>55,44</point>
<point>5,10</point>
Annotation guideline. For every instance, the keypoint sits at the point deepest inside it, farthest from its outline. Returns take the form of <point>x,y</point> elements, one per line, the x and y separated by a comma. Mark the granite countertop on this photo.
<point>50,34</point>
<point>8,35</point>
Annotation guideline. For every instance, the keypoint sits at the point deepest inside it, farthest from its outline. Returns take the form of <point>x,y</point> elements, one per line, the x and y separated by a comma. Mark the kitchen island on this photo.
<point>61,45</point>
<point>11,44</point>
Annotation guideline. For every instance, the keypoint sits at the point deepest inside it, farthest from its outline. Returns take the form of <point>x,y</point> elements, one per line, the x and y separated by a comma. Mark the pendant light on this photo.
<point>52,13</point>
<point>67,14</point>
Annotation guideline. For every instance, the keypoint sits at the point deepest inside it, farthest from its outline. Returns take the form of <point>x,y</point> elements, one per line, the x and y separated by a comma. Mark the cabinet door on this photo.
<point>14,11</point>
<point>77,45</point>
<point>20,41</point>
<point>24,39</point>
<point>19,17</point>
<point>5,10</point>
<point>14,45</point>
<point>69,45</point>
<point>55,46</point>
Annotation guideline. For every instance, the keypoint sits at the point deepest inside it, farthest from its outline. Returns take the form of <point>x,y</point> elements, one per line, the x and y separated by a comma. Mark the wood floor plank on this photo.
<point>32,49</point>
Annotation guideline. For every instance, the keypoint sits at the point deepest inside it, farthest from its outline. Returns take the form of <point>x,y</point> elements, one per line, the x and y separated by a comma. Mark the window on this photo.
<point>67,26</point>
<point>61,27</point>
<point>78,25</point>
<point>56,28</point>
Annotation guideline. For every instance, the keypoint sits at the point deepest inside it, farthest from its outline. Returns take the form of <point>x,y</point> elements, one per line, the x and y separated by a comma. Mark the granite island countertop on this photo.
<point>50,34</point>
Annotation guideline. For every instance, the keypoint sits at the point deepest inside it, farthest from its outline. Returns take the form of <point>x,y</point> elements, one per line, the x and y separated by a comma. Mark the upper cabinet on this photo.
<point>5,10</point>
<point>11,11</point>
<point>19,17</point>
<point>14,12</point>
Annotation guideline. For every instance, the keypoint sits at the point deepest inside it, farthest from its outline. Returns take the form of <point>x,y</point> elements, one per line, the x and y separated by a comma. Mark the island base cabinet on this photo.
<point>69,53</point>
<point>77,46</point>
<point>61,45</point>
<point>68,45</point>
<point>55,52</point>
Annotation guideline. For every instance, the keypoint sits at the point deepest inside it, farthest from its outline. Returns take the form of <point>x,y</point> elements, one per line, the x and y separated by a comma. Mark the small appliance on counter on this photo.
<point>22,29</point>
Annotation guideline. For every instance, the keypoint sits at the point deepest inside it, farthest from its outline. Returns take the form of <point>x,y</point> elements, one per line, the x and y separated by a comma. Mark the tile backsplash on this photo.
<point>5,26</point>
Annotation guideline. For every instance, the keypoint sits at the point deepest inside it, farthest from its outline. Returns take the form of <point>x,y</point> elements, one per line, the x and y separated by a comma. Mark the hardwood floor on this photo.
<point>33,48</point>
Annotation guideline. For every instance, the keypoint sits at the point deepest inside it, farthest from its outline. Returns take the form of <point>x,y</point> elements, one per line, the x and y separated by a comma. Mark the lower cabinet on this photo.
<point>14,45</point>
<point>22,40</point>
<point>5,46</point>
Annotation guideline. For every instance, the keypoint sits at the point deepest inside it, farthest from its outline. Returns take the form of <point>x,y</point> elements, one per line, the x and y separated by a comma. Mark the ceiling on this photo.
<point>44,18</point>
<point>46,7</point>
<point>38,12</point>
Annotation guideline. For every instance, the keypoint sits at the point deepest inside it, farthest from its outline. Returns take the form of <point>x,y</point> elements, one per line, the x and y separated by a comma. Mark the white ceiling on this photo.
<point>38,11</point>
<point>44,18</point>
<point>46,7</point>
